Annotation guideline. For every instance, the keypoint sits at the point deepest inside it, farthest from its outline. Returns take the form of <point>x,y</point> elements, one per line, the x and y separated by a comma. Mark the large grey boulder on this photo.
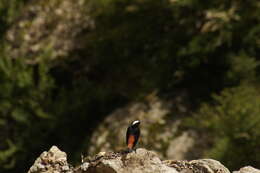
<point>139,161</point>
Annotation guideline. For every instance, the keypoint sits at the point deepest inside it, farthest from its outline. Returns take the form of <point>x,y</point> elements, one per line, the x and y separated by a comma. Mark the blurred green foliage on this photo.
<point>23,114</point>
<point>233,124</point>
<point>137,46</point>
<point>9,10</point>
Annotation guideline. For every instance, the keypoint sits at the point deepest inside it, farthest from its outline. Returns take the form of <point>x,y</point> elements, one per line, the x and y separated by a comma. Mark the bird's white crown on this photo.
<point>136,122</point>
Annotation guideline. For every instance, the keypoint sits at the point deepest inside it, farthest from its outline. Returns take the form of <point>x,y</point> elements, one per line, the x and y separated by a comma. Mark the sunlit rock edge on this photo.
<point>139,161</point>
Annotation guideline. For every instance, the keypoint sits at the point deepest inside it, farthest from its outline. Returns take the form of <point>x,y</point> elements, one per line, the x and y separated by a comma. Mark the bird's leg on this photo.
<point>129,150</point>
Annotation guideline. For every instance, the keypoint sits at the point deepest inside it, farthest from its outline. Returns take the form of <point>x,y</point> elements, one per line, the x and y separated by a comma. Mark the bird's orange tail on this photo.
<point>131,141</point>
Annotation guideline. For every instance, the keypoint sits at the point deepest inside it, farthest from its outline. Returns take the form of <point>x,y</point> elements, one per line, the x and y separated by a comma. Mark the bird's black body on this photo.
<point>132,134</point>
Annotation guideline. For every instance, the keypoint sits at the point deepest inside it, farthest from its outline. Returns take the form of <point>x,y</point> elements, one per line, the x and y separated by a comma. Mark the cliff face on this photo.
<point>139,161</point>
<point>49,25</point>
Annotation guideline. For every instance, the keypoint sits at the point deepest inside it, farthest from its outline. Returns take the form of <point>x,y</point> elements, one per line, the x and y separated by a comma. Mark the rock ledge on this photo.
<point>139,161</point>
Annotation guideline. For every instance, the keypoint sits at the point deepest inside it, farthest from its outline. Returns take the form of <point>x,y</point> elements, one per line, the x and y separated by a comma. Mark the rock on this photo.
<point>211,165</point>
<point>139,161</point>
<point>198,166</point>
<point>123,161</point>
<point>247,169</point>
<point>52,161</point>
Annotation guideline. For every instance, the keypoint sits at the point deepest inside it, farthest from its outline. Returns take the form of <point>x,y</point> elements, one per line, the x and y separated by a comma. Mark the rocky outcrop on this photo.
<point>138,161</point>
<point>52,161</point>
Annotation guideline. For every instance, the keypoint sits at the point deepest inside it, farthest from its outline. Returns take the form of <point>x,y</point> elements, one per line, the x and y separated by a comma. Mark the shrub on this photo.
<point>233,122</point>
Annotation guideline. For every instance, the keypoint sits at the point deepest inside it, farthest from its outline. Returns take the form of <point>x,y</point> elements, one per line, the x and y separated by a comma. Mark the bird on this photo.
<point>132,134</point>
